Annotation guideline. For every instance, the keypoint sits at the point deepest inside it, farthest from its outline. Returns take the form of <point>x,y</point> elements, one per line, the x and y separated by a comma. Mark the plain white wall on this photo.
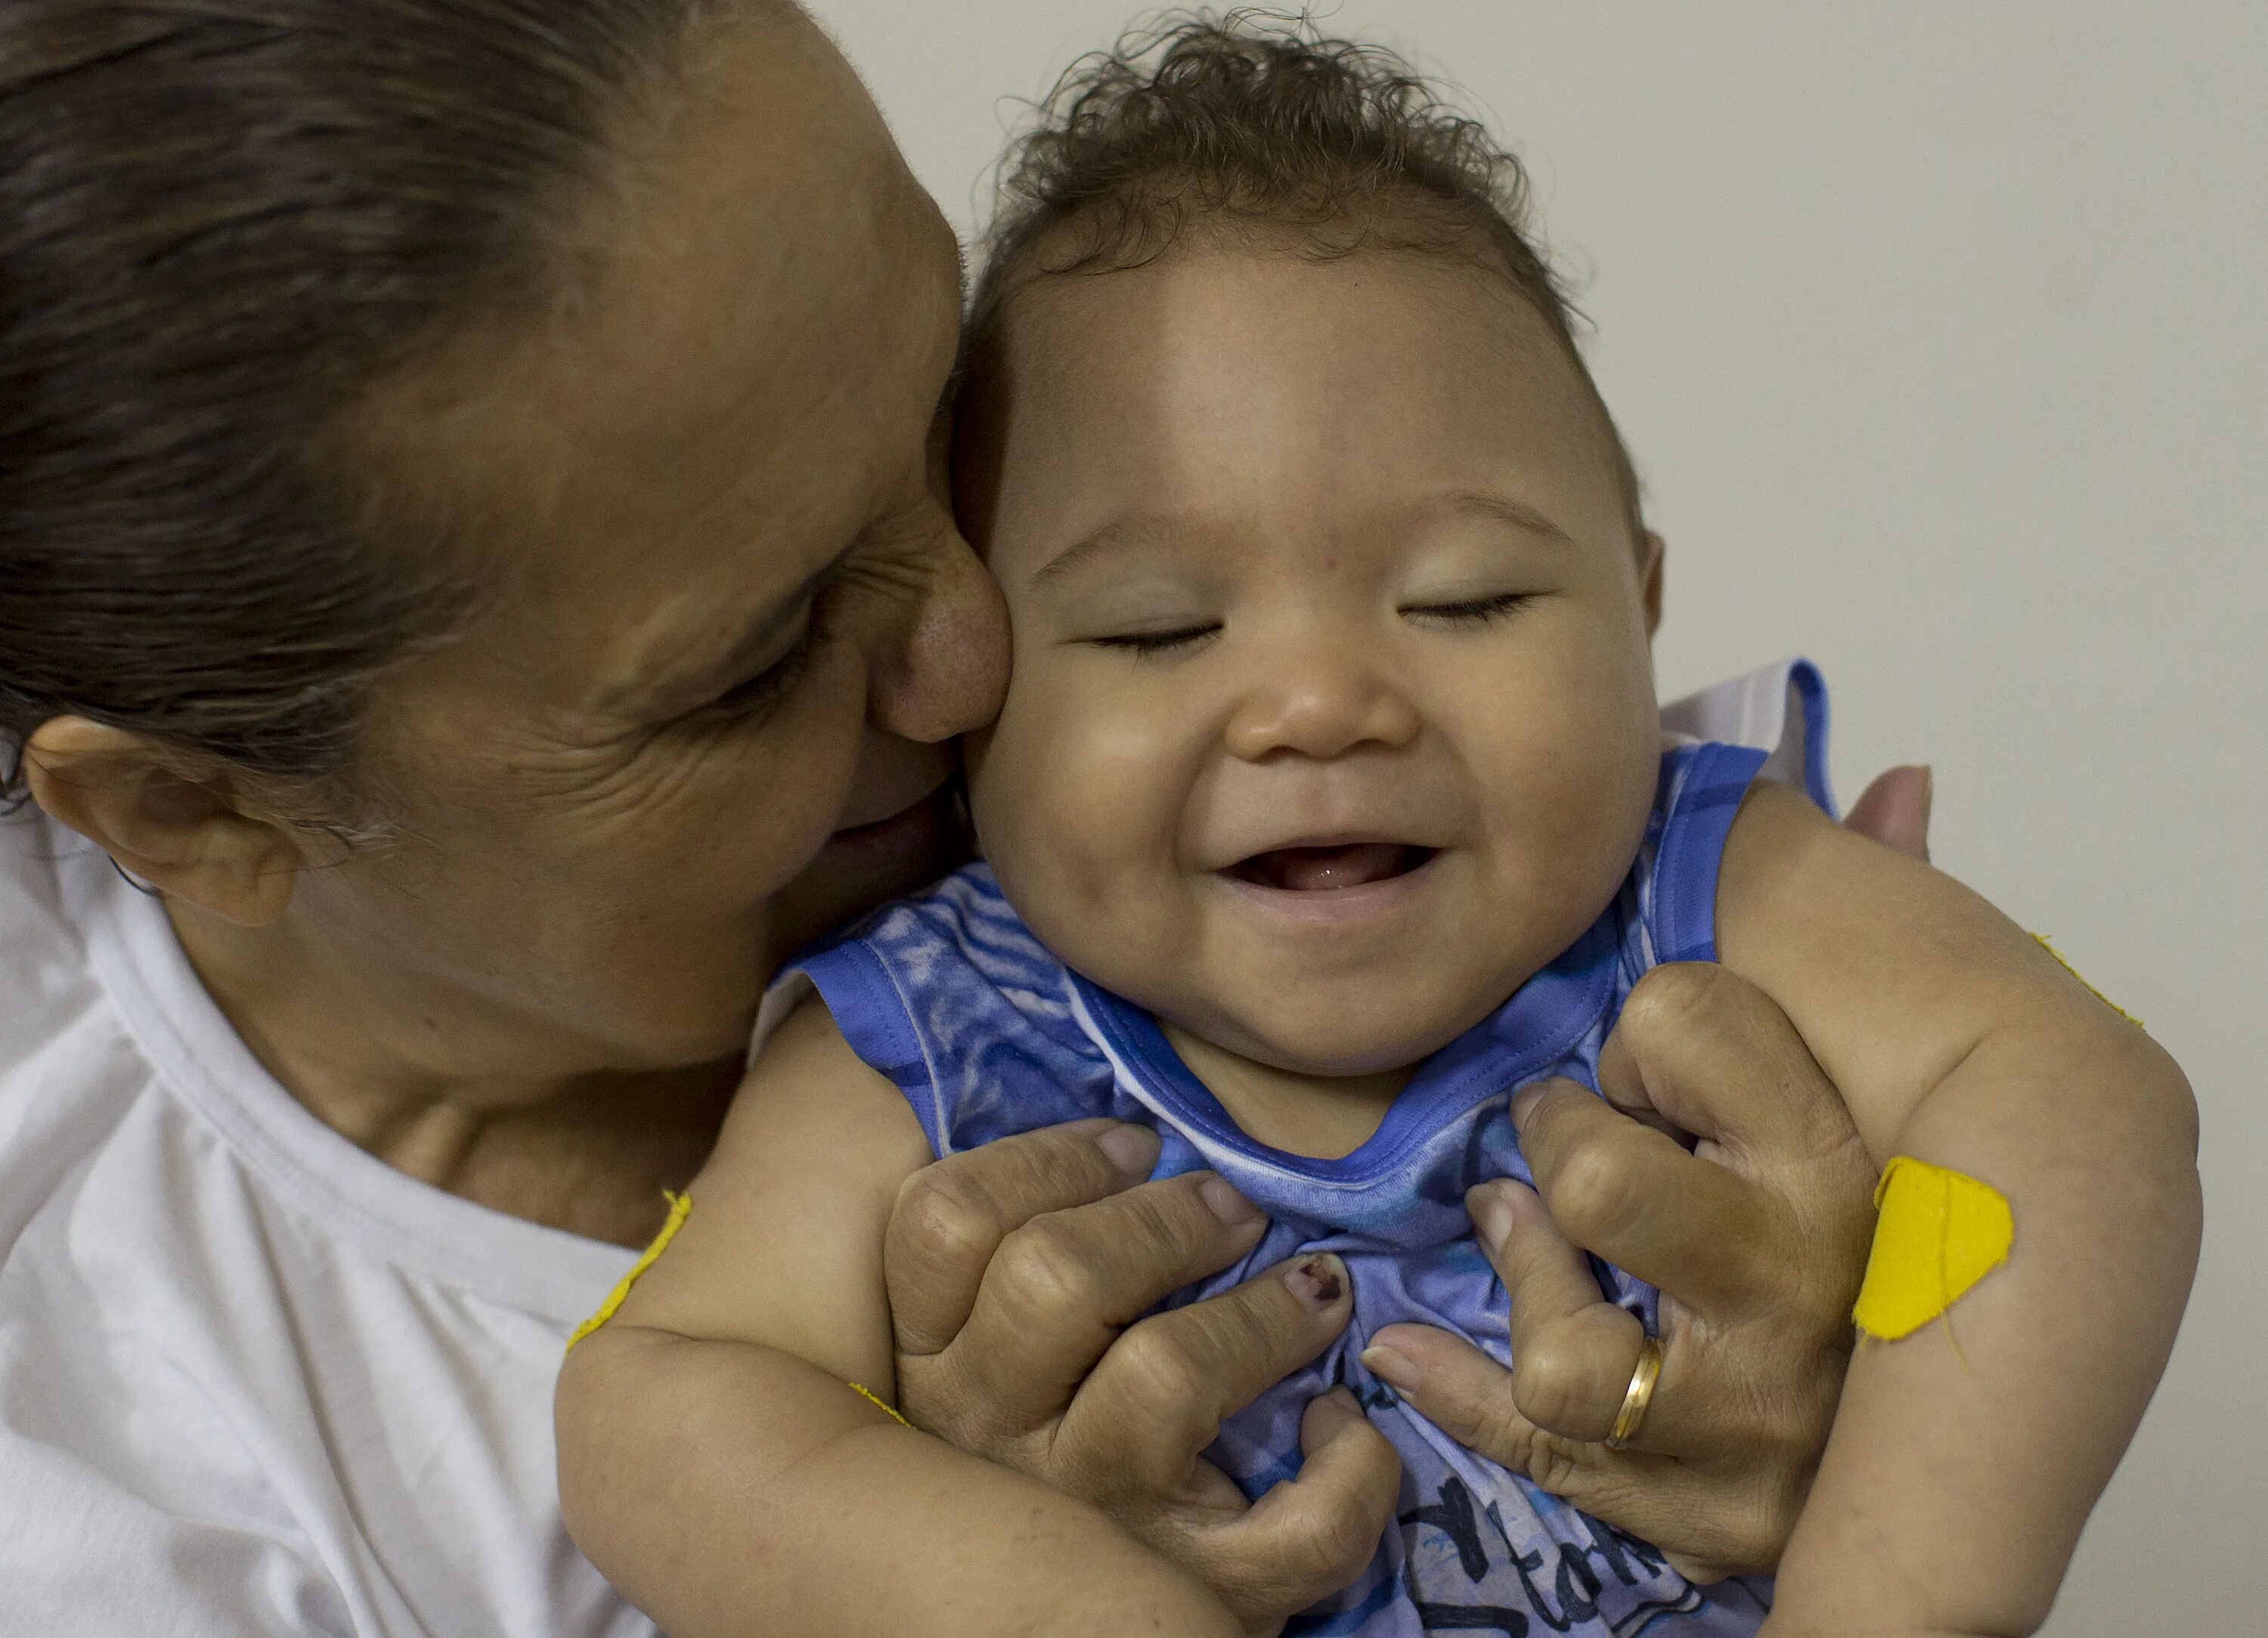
<point>1938,332</point>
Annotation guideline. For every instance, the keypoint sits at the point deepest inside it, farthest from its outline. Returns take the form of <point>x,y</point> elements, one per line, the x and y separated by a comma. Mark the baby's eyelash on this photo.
<point>1466,611</point>
<point>1476,610</point>
<point>1153,644</point>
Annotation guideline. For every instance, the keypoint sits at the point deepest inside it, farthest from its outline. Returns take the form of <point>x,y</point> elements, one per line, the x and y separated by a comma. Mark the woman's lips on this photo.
<point>912,829</point>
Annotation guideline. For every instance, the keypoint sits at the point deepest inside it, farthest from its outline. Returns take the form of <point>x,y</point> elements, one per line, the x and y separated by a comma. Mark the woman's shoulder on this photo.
<point>38,938</point>
<point>221,1335</point>
<point>56,1023</point>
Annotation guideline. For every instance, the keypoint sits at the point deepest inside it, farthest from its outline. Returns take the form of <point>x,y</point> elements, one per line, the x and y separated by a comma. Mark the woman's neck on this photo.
<point>1323,1117</point>
<point>436,1091</point>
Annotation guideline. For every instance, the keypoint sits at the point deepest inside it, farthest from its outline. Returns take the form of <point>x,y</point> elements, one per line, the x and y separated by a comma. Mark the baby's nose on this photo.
<point>1320,705</point>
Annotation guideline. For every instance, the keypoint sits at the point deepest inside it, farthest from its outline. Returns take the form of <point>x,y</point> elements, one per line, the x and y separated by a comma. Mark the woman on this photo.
<point>474,594</point>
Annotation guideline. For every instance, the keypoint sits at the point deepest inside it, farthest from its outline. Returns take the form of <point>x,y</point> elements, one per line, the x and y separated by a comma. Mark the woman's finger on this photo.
<point>1159,1396</point>
<point>952,1214</point>
<point>1634,1197</point>
<point>1310,1535</point>
<point>1782,1227</point>
<point>1720,1529</point>
<point>1713,1053</point>
<point>1895,811</point>
<point>1571,1349</point>
<point>1573,1352</point>
<point>1468,1396</point>
<point>1061,1288</point>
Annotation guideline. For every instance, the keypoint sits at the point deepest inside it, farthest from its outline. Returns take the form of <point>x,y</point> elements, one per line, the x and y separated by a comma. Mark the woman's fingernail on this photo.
<point>1390,1367</point>
<point>1319,1282</point>
<point>1523,1105</point>
<point>1491,1216</point>
<point>1225,1203</point>
<point>1132,1149</point>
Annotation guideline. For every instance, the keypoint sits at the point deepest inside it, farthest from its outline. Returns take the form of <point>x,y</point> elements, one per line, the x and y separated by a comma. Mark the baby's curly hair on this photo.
<point>1253,122</point>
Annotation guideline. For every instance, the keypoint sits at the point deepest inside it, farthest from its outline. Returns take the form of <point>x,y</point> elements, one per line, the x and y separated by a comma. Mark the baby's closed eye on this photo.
<point>1469,610</point>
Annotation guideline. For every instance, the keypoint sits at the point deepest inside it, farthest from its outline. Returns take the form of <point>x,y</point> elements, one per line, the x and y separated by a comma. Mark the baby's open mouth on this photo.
<point>1326,870</point>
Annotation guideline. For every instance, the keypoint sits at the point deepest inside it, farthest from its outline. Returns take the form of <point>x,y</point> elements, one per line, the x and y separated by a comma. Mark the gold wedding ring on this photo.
<point>1637,1396</point>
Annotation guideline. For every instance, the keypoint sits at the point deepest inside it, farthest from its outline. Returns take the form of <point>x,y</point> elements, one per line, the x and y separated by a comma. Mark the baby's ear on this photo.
<point>1649,569</point>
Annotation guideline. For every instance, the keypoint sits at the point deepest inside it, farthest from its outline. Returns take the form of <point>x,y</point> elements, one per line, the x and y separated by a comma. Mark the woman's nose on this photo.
<point>1321,702</point>
<point>947,672</point>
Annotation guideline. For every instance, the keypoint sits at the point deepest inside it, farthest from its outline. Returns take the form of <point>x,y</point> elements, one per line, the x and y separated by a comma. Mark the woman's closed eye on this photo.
<point>756,697</point>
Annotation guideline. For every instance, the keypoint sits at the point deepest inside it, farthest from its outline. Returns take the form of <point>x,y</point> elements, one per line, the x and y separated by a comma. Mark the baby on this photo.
<point>1329,807</point>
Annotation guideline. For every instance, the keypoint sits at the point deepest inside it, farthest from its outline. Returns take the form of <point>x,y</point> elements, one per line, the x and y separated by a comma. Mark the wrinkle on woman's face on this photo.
<point>700,502</point>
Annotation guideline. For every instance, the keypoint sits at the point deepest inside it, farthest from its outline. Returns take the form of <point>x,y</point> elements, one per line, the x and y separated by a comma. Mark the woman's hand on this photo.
<point>1756,1239</point>
<point>1018,1275</point>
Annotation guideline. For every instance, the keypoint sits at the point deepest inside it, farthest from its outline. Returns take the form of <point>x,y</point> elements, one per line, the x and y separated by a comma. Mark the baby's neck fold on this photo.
<point>1318,1117</point>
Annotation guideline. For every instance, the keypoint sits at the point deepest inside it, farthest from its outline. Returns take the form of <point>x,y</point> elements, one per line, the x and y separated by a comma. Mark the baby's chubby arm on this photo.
<point>1966,1457</point>
<point>715,1464</point>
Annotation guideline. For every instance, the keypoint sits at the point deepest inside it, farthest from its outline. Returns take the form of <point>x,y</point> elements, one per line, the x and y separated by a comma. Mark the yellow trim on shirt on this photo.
<point>680,1206</point>
<point>2089,988</point>
<point>878,1402</point>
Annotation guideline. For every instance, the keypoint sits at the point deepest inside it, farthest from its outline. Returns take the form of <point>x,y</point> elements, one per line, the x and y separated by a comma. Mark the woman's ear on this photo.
<point>1650,554</point>
<point>191,836</point>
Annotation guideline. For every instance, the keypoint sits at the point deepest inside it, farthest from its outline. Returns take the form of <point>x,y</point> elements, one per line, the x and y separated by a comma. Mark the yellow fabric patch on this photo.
<point>680,1206</point>
<point>2041,938</point>
<point>1937,1233</point>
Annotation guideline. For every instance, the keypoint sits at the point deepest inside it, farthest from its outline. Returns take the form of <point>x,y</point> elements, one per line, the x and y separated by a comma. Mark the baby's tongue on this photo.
<point>1319,870</point>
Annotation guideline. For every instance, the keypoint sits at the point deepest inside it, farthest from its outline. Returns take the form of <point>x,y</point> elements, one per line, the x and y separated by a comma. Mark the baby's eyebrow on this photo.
<point>1149,528</point>
<point>1501,508</point>
<point>1142,529</point>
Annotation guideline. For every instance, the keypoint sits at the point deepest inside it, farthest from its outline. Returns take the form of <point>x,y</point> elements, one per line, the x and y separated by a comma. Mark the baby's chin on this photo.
<point>1338,1043</point>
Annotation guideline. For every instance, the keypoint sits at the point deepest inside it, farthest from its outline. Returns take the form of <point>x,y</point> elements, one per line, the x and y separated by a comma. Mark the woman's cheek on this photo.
<point>821,735</point>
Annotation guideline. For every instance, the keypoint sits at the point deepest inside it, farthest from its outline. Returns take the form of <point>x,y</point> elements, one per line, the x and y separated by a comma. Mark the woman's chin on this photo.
<point>869,864</point>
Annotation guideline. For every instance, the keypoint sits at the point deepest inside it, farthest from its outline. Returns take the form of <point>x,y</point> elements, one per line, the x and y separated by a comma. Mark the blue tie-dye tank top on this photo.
<point>987,1034</point>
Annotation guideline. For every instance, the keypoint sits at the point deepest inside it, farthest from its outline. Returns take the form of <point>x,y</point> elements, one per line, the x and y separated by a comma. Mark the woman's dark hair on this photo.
<point>219,223</point>
<point>1248,121</point>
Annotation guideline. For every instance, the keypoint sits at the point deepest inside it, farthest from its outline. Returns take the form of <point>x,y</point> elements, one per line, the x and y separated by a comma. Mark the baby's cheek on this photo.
<point>1008,762</point>
<point>1054,813</point>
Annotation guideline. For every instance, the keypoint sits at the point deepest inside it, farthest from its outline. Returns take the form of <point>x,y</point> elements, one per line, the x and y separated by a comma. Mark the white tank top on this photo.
<point>252,1380</point>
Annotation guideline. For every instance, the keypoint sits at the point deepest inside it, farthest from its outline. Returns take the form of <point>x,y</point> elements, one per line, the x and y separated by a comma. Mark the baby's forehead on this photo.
<point>1094,348</point>
<point>1058,282</point>
<point>1244,353</point>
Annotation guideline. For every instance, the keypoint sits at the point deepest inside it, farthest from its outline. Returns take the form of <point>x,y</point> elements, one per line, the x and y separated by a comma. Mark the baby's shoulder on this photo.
<point>951,997</point>
<point>958,930</point>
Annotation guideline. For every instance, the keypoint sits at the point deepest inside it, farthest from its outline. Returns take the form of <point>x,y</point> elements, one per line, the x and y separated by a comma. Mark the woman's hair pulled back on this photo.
<point>220,220</point>
<point>1252,121</point>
